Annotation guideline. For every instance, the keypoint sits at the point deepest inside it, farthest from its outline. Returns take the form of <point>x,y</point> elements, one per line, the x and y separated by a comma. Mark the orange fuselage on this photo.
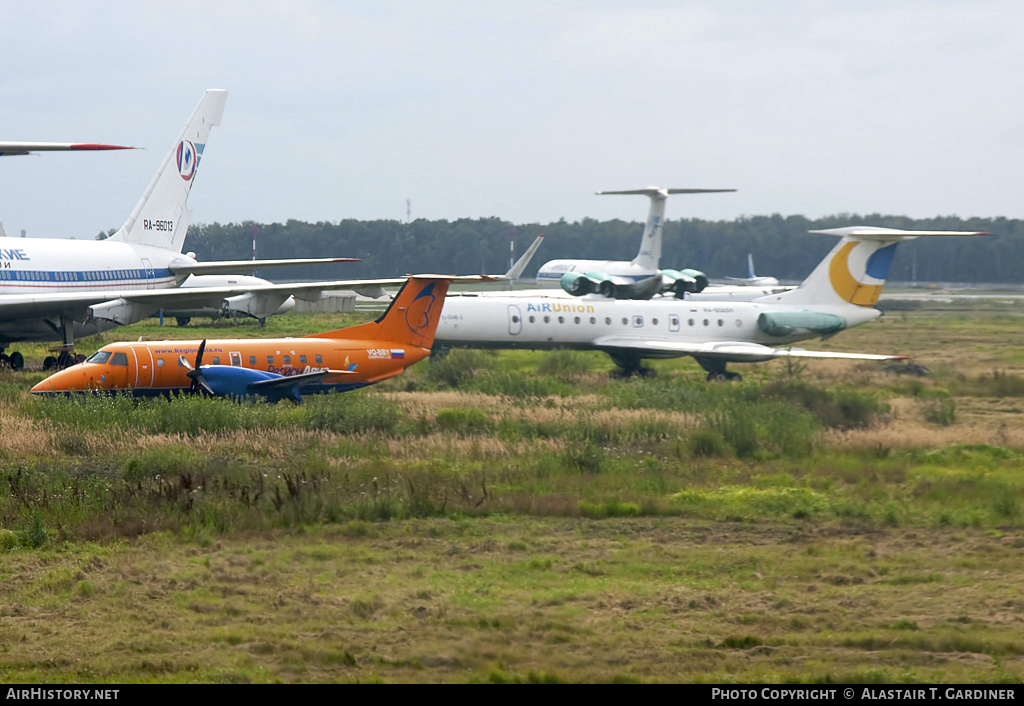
<point>153,367</point>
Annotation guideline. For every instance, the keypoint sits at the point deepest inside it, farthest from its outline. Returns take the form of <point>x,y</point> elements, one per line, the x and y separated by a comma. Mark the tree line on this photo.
<point>781,246</point>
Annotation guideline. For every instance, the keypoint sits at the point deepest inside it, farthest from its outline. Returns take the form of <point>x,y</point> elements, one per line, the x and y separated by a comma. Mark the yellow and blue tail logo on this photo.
<point>858,271</point>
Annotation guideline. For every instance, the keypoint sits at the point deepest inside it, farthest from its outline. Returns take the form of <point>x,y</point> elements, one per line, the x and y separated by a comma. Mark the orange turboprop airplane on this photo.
<point>276,368</point>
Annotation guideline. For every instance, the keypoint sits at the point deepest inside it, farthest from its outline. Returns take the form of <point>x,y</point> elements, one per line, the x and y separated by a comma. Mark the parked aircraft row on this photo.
<point>633,311</point>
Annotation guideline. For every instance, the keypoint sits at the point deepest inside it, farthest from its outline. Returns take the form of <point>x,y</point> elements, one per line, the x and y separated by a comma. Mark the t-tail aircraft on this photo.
<point>276,369</point>
<point>840,293</point>
<point>54,289</point>
<point>639,278</point>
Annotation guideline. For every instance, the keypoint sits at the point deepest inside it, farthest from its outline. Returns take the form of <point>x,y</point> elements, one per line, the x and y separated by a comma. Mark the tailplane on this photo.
<point>411,318</point>
<point>649,255</point>
<point>161,217</point>
<point>855,271</point>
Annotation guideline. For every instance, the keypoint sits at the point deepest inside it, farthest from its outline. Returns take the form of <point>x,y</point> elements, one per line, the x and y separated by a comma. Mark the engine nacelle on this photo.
<point>578,284</point>
<point>256,305</point>
<point>685,281</point>
<point>784,323</point>
<point>120,311</point>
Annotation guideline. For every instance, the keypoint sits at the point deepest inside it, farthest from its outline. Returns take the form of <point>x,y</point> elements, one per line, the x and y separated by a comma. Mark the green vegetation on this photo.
<point>524,517</point>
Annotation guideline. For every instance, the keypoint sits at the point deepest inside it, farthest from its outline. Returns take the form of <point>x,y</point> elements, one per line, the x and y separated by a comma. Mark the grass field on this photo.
<point>521,516</point>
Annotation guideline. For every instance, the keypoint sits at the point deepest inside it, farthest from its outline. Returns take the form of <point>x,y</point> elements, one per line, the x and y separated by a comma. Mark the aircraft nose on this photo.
<point>76,377</point>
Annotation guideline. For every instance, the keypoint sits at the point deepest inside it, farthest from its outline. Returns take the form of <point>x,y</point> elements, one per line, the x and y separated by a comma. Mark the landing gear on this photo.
<point>14,361</point>
<point>65,358</point>
<point>630,364</point>
<point>182,320</point>
<point>716,370</point>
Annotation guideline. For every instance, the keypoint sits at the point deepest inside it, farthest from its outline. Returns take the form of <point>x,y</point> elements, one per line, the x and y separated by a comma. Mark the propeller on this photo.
<point>196,373</point>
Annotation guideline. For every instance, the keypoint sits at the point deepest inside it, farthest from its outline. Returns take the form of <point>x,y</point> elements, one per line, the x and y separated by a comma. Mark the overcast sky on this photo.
<point>519,109</point>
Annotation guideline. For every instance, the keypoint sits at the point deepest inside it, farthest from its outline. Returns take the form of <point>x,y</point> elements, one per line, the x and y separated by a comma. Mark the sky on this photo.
<point>517,109</point>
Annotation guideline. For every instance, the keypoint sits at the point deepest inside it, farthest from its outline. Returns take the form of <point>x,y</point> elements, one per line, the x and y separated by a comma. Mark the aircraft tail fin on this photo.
<point>855,271</point>
<point>411,319</point>
<point>750,266</point>
<point>516,270</point>
<point>649,255</point>
<point>161,217</point>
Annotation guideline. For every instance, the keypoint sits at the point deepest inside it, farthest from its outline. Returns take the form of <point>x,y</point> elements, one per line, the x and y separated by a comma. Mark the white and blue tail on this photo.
<point>649,256</point>
<point>855,271</point>
<point>161,217</point>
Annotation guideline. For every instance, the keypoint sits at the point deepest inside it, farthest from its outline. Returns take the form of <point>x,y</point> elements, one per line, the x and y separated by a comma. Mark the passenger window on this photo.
<point>532,319</point>
<point>721,323</point>
<point>654,322</point>
<point>625,321</point>
<point>547,319</point>
<point>159,362</point>
<point>515,319</point>
<point>608,320</point>
<point>119,359</point>
<point>270,360</point>
<point>561,319</point>
<point>638,321</point>
<point>287,359</point>
<point>302,360</point>
<point>319,359</point>
<point>705,322</point>
<point>577,319</point>
<point>593,319</point>
<point>689,322</point>
<point>252,360</point>
<point>216,360</point>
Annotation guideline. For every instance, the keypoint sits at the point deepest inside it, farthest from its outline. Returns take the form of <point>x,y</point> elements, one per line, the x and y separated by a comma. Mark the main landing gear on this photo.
<point>14,361</point>
<point>65,358</point>
<point>716,370</point>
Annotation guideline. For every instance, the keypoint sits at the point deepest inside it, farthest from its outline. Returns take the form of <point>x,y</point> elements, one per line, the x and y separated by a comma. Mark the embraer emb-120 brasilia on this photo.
<point>276,369</point>
<point>639,278</point>
<point>58,289</point>
<point>841,292</point>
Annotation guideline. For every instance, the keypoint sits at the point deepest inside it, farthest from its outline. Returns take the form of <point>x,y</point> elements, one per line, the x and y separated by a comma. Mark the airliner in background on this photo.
<point>57,290</point>
<point>840,293</point>
<point>752,280</point>
<point>639,278</point>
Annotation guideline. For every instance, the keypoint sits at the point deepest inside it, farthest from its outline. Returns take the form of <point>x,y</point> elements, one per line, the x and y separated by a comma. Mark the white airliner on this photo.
<point>752,280</point>
<point>841,292</point>
<point>55,290</point>
<point>639,278</point>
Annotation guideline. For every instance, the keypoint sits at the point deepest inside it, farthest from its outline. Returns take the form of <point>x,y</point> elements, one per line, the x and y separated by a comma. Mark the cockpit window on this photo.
<point>98,357</point>
<point>119,359</point>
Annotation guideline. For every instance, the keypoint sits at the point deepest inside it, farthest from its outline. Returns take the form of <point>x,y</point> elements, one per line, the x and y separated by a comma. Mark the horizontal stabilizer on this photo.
<point>876,233</point>
<point>8,149</point>
<point>655,191</point>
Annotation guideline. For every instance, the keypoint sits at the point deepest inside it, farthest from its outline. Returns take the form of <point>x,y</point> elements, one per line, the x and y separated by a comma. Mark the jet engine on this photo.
<point>685,281</point>
<point>784,323</point>
<point>578,284</point>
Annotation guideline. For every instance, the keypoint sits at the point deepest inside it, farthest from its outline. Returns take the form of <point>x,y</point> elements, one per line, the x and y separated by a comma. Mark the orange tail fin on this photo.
<point>411,318</point>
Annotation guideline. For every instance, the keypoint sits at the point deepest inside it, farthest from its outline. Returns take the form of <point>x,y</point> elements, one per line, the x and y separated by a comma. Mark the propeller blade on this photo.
<point>199,383</point>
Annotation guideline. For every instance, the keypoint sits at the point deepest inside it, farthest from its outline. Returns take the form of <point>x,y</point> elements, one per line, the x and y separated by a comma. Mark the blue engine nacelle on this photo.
<point>235,382</point>
<point>578,284</point>
<point>685,281</point>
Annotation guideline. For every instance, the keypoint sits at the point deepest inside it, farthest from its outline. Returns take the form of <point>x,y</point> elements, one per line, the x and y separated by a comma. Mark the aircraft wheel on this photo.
<point>183,320</point>
<point>735,376</point>
<point>17,361</point>
<point>717,377</point>
<point>79,358</point>
<point>49,363</point>
<point>646,372</point>
<point>4,360</point>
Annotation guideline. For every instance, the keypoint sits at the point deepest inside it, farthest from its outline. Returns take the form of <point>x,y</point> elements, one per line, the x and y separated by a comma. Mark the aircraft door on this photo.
<point>515,320</point>
<point>150,273</point>
<point>236,359</point>
<point>143,364</point>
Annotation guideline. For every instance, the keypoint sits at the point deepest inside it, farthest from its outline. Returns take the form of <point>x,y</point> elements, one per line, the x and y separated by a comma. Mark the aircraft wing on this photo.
<point>8,149</point>
<point>120,305</point>
<point>234,266</point>
<point>740,351</point>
